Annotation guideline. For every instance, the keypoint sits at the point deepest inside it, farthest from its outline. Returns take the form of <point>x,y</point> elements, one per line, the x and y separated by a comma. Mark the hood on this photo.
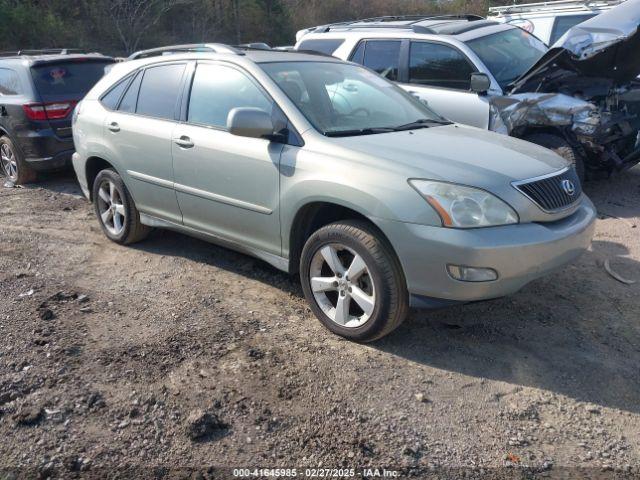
<point>455,153</point>
<point>604,46</point>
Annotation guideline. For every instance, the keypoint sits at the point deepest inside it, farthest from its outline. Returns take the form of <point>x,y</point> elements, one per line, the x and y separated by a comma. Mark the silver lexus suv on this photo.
<point>323,168</point>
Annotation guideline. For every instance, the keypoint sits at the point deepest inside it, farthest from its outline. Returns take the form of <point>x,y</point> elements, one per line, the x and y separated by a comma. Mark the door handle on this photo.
<point>114,127</point>
<point>183,142</point>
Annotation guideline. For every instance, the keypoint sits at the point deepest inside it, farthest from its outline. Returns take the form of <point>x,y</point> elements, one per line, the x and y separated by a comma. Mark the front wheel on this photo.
<point>115,209</point>
<point>353,281</point>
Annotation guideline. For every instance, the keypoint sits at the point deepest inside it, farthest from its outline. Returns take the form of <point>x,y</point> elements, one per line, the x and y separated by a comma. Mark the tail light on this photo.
<point>48,111</point>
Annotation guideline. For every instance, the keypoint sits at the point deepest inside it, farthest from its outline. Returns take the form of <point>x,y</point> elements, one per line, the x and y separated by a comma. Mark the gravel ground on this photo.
<point>173,357</point>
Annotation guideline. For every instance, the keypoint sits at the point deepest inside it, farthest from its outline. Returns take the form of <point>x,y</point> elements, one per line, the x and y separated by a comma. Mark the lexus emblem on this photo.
<point>568,187</point>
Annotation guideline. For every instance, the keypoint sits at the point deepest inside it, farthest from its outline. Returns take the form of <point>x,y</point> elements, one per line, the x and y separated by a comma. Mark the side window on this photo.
<point>128,103</point>
<point>327,46</point>
<point>383,56</point>
<point>9,82</point>
<point>564,23</point>
<point>112,97</point>
<point>439,66</point>
<point>159,91</point>
<point>217,90</point>
<point>358,55</point>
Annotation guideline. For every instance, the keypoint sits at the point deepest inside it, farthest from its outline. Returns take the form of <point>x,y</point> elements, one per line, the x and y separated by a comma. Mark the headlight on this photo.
<point>465,207</point>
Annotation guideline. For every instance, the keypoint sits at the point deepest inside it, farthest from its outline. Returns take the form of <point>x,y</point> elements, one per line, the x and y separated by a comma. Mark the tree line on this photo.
<point>120,27</point>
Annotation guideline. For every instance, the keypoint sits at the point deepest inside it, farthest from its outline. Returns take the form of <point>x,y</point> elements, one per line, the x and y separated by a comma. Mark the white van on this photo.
<point>550,20</point>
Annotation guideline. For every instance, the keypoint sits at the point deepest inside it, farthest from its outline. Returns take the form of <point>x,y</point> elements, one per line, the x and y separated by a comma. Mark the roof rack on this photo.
<point>195,47</point>
<point>412,22</point>
<point>42,51</point>
<point>554,6</point>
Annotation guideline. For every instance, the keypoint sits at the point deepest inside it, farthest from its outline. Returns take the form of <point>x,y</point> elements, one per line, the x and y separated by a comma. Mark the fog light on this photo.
<point>472,274</point>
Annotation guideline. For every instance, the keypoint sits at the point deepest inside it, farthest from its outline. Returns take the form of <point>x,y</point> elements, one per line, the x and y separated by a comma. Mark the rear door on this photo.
<point>59,86</point>
<point>138,135</point>
<point>440,75</point>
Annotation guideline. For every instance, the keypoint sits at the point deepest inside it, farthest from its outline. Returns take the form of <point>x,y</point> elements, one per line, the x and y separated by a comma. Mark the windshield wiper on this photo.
<point>422,123</point>
<point>361,131</point>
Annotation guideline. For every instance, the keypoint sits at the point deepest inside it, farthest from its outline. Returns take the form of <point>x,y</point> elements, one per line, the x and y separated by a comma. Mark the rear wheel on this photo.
<point>353,281</point>
<point>562,148</point>
<point>13,165</point>
<point>116,211</point>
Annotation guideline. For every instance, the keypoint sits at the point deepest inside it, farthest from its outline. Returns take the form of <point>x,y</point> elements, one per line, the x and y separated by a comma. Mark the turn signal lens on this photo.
<point>472,274</point>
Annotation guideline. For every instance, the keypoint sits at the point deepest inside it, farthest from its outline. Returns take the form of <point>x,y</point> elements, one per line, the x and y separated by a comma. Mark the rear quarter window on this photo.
<point>66,80</point>
<point>9,82</point>
<point>111,99</point>
<point>326,46</point>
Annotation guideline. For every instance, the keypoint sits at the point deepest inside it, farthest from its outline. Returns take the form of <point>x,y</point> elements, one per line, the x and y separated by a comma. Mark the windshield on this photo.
<point>341,99</point>
<point>508,54</point>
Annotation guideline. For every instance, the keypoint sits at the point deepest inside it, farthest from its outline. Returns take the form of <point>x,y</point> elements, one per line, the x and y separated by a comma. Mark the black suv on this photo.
<point>38,91</point>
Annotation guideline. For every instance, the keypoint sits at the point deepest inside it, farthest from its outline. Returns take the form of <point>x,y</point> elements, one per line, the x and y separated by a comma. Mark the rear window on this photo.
<point>66,81</point>
<point>564,23</point>
<point>326,46</point>
<point>159,91</point>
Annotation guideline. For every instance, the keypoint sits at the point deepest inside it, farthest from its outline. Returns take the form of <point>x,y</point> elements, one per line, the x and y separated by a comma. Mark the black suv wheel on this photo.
<point>13,165</point>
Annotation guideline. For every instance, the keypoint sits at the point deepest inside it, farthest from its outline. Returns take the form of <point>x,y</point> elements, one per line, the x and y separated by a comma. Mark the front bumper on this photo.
<point>519,253</point>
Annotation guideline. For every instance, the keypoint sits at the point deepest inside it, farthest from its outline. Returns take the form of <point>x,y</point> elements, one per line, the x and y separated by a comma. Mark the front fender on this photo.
<point>375,193</point>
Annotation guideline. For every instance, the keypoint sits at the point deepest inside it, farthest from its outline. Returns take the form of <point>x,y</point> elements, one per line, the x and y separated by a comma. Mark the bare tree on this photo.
<point>132,19</point>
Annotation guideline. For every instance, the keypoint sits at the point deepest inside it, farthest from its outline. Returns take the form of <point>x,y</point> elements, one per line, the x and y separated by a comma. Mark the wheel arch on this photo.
<point>558,131</point>
<point>316,214</point>
<point>93,166</point>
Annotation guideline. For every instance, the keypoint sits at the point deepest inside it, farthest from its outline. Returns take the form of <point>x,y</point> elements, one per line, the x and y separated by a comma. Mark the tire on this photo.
<point>13,165</point>
<point>376,299</point>
<point>115,209</point>
<point>562,148</point>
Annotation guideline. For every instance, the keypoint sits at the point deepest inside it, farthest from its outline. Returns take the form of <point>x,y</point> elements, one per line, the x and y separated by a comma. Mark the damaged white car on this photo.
<point>580,98</point>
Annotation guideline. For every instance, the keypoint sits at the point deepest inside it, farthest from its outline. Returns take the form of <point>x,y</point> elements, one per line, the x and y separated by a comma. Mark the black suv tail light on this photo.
<point>48,111</point>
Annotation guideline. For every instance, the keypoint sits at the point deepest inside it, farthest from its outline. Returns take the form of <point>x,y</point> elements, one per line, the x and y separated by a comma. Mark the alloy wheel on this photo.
<point>342,285</point>
<point>8,160</point>
<point>111,207</point>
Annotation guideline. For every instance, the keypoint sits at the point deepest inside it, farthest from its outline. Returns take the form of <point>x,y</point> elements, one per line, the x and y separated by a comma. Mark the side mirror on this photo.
<point>250,122</point>
<point>480,82</point>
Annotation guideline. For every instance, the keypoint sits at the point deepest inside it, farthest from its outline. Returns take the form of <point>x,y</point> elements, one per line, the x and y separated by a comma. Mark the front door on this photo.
<point>227,185</point>
<point>440,75</point>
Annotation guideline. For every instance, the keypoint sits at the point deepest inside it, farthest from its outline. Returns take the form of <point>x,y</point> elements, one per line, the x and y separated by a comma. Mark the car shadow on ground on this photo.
<point>618,196</point>
<point>63,181</point>
<point>563,333</point>
<point>556,334</point>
